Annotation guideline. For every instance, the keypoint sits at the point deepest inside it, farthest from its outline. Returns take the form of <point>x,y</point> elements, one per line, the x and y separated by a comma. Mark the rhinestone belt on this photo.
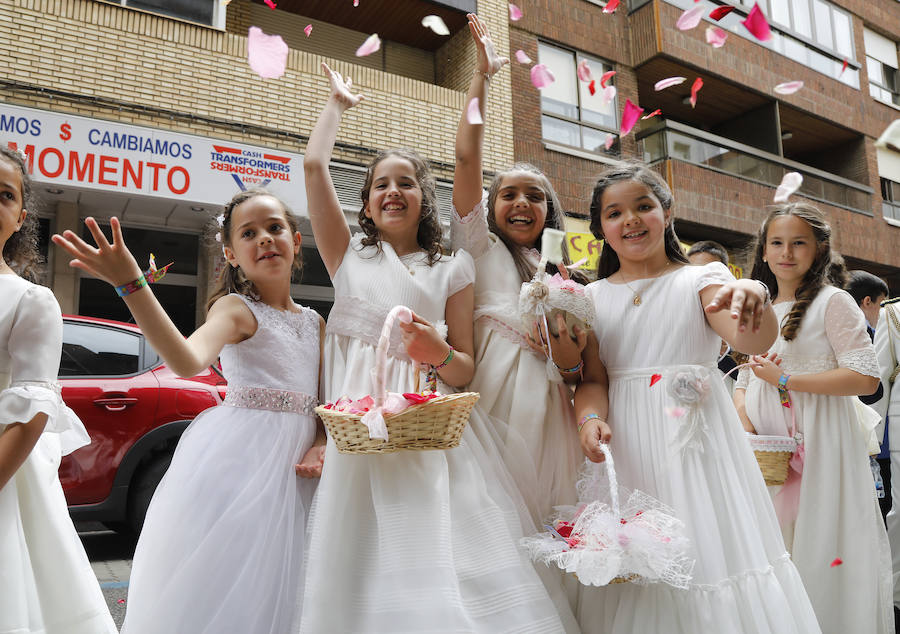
<point>271,399</point>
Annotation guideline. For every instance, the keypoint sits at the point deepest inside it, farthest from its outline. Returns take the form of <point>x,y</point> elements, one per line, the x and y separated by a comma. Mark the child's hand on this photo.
<point>564,350</point>
<point>311,464</point>
<point>422,342</point>
<point>488,60</point>
<point>112,263</point>
<point>766,367</point>
<point>746,299</point>
<point>340,89</point>
<point>594,432</point>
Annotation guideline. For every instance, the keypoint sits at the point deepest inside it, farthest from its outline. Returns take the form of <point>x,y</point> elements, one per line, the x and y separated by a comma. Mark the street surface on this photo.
<point>110,555</point>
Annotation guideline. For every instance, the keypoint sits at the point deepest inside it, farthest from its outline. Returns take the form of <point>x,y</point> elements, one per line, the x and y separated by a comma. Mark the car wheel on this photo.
<point>143,487</point>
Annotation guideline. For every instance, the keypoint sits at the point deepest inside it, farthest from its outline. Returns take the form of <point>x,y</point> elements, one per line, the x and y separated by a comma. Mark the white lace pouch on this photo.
<point>545,297</point>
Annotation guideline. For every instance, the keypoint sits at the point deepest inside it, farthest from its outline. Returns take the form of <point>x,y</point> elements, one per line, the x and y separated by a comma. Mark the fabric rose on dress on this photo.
<point>689,387</point>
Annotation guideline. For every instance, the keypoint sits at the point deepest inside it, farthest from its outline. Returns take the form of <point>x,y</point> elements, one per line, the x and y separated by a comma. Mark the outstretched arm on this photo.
<point>592,400</point>
<point>229,320</point>
<point>328,222</point>
<point>739,313</point>
<point>467,178</point>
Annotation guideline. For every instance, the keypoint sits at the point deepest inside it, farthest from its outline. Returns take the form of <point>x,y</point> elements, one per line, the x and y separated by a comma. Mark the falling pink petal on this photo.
<point>606,77</point>
<point>584,71</point>
<point>652,114</point>
<point>690,18</point>
<point>837,562</point>
<point>611,6</point>
<point>654,379</point>
<point>355,3</point>
<point>269,4</point>
<point>515,13</point>
<point>789,184</point>
<point>843,67</point>
<point>610,139</point>
<point>522,58</point>
<point>668,82</point>
<point>695,88</point>
<point>473,113</point>
<point>720,12</point>
<point>592,87</point>
<point>675,412</point>
<point>541,76</point>
<point>307,29</point>
<point>788,87</point>
<point>629,117</point>
<point>716,36</point>
<point>121,601</point>
<point>609,93</point>
<point>757,25</point>
<point>372,44</point>
<point>266,54</point>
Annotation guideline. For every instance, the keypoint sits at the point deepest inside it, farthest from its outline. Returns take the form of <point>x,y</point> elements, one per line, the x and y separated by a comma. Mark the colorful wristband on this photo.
<point>445,361</point>
<point>586,418</point>
<point>783,392</point>
<point>149,276</point>
<point>576,368</point>
<point>127,289</point>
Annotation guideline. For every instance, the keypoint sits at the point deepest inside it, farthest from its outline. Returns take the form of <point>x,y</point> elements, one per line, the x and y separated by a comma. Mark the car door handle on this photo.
<point>116,403</point>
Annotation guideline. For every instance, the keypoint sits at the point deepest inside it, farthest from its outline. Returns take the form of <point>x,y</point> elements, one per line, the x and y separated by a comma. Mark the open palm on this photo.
<point>341,89</point>
<point>488,60</point>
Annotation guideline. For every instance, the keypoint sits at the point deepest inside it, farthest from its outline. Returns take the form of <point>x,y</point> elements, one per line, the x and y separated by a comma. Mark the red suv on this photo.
<point>135,410</point>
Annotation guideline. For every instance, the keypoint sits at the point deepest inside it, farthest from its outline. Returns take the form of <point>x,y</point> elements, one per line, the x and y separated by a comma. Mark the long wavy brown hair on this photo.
<point>825,266</point>
<point>640,173</point>
<point>21,251</point>
<point>429,234</point>
<point>232,278</point>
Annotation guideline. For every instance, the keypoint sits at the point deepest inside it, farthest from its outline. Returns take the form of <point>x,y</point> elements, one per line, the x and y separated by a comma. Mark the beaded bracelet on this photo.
<point>586,418</point>
<point>576,368</point>
<point>445,361</point>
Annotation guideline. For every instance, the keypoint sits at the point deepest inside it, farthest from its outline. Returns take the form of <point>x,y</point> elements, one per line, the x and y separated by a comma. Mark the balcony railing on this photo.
<point>676,141</point>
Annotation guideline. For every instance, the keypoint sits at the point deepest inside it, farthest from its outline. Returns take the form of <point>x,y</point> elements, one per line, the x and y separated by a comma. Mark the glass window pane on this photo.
<point>98,351</point>
<point>194,10</point>
<point>780,13</point>
<point>843,38</point>
<point>592,108</point>
<point>822,17</point>
<point>800,14</point>
<point>561,131</point>
<point>655,147</point>
<point>873,69</point>
<point>593,140</point>
<point>796,50</point>
<point>563,92</point>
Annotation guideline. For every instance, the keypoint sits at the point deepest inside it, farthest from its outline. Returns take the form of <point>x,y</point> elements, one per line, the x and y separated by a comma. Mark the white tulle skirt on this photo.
<point>222,545</point>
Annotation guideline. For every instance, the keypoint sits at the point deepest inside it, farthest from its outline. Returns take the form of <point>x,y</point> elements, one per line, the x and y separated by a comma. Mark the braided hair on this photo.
<point>232,278</point>
<point>823,269</point>
<point>21,251</point>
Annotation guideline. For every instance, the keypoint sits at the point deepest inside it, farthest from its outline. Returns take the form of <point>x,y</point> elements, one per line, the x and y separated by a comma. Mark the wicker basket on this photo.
<point>434,424</point>
<point>773,453</point>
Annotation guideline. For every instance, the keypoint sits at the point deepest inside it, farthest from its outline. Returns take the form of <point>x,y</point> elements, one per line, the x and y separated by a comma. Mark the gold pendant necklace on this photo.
<point>637,299</point>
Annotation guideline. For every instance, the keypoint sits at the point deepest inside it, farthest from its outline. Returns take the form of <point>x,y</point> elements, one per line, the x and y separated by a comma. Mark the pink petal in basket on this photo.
<point>757,24</point>
<point>522,58</point>
<point>515,13</point>
<point>716,36</point>
<point>668,82</point>
<point>266,54</point>
<point>788,87</point>
<point>630,116</point>
<point>541,76</point>
<point>473,113</point>
<point>584,72</point>
<point>372,44</point>
<point>690,18</point>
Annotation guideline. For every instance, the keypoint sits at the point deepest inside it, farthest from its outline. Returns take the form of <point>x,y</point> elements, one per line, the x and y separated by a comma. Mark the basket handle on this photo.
<point>379,372</point>
<point>611,474</point>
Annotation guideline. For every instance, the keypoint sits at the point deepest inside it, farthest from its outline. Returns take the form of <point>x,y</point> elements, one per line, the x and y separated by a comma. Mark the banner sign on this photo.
<point>68,150</point>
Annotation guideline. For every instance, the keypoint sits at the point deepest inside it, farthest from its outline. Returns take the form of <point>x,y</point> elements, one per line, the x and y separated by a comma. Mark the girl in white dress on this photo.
<point>412,541</point>
<point>529,410</point>
<point>829,512</point>
<point>221,549</point>
<point>671,425</point>
<point>47,585</point>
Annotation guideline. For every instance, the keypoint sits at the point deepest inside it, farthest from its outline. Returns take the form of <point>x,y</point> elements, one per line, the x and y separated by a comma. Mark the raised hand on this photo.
<point>488,60</point>
<point>341,89</point>
<point>112,263</point>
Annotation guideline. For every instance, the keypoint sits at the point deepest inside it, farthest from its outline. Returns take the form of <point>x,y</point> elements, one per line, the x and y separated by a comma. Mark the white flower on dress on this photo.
<point>689,386</point>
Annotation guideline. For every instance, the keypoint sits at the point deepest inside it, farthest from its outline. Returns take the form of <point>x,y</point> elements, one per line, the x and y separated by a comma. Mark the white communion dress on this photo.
<point>522,395</point>
<point>47,585</point>
<point>676,436</point>
<point>837,515</point>
<point>413,541</point>
<point>222,546</point>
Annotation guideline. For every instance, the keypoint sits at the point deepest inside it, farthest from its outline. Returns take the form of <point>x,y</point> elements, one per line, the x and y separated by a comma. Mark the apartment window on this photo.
<point>821,22</point>
<point>570,114</point>
<point>208,12</point>
<point>890,195</point>
<point>881,63</point>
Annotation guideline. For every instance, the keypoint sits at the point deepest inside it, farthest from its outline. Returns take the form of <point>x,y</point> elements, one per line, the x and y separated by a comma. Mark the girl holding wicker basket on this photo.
<point>654,394</point>
<point>410,540</point>
<point>521,391</point>
<point>827,506</point>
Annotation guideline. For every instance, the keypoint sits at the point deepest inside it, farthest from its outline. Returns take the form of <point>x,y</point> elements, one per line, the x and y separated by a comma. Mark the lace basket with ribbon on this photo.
<point>603,543</point>
<point>389,421</point>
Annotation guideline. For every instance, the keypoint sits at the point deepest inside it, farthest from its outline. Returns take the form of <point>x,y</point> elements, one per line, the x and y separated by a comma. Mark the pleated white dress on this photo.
<point>521,394</point>
<point>47,585</point>
<point>222,546</point>
<point>698,463</point>
<point>837,514</point>
<point>413,541</point>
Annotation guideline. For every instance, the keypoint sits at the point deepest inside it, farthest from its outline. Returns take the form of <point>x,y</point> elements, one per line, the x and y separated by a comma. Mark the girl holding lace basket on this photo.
<point>827,507</point>
<point>221,549</point>
<point>412,540</point>
<point>653,392</point>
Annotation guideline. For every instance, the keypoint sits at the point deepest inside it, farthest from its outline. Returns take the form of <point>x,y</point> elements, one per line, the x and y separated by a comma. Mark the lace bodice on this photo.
<point>831,335</point>
<point>282,354</point>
